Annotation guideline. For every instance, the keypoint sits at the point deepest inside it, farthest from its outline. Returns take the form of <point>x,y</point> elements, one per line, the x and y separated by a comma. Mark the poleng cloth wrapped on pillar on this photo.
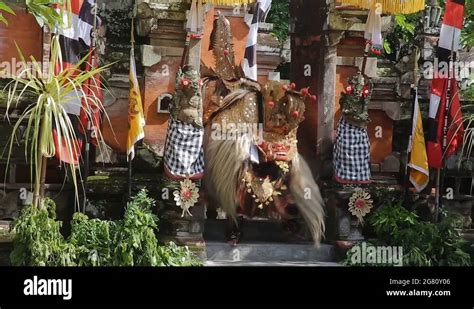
<point>352,146</point>
<point>184,155</point>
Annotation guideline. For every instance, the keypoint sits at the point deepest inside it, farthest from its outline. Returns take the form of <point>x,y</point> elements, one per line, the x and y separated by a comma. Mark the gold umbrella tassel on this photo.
<point>390,6</point>
<point>229,2</point>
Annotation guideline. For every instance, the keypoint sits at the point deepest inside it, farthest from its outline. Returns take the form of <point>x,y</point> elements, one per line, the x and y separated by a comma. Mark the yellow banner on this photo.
<point>418,164</point>
<point>136,119</point>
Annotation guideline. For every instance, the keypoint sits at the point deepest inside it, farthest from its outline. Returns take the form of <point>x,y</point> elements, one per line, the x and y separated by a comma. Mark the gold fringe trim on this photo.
<point>390,6</point>
<point>229,2</point>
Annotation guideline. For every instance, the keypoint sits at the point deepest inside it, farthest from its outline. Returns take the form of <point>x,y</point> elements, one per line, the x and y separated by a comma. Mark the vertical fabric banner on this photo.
<point>449,43</point>
<point>74,39</point>
<point>250,58</point>
<point>418,163</point>
<point>136,119</point>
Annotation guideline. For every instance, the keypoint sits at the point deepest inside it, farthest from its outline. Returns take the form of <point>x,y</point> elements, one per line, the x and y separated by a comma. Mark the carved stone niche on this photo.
<point>146,20</point>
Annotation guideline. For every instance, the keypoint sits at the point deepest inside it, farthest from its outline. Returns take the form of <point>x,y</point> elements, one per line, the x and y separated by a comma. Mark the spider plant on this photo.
<point>5,8</point>
<point>53,90</point>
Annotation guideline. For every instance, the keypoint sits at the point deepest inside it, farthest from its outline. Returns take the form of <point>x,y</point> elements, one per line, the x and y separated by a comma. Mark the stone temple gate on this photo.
<point>325,47</point>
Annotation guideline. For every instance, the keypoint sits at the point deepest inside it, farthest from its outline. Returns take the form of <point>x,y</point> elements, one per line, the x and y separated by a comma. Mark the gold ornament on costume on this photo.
<point>262,190</point>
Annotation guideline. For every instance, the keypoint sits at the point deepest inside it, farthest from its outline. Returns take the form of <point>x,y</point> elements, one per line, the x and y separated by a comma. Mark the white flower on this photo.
<point>360,204</point>
<point>187,197</point>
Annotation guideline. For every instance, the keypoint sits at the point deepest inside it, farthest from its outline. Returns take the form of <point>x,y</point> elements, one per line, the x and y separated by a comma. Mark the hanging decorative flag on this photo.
<point>373,32</point>
<point>195,17</point>
<point>418,163</point>
<point>136,119</point>
<point>250,58</point>
<point>442,82</point>
<point>75,39</point>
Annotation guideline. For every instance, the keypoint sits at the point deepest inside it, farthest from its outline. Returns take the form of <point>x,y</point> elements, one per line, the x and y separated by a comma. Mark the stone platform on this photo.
<point>265,243</point>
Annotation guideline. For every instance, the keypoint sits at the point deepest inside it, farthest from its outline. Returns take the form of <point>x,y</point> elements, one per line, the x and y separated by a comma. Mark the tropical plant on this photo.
<point>50,12</point>
<point>136,243</point>
<point>467,34</point>
<point>404,36</point>
<point>173,255</point>
<point>38,240</point>
<point>129,242</point>
<point>53,92</point>
<point>279,16</point>
<point>423,243</point>
<point>5,8</point>
<point>92,239</point>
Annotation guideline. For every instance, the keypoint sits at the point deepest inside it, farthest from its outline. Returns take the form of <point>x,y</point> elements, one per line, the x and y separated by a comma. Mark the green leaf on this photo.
<point>6,8</point>
<point>387,47</point>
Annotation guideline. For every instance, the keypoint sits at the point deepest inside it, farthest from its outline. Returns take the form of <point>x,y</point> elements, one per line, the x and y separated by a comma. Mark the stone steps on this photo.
<point>271,254</point>
<point>265,243</point>
<point>253,231</point>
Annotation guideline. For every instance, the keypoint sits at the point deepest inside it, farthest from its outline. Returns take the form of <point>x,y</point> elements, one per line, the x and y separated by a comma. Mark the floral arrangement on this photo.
<point>187,196</point>
<point>360,204</point>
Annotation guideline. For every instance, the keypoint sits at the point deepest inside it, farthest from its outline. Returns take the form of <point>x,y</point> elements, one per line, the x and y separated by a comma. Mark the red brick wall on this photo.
<point>23,30</point>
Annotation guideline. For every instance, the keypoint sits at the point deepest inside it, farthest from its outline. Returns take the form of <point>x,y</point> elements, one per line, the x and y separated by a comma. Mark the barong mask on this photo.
<point>284,110</point>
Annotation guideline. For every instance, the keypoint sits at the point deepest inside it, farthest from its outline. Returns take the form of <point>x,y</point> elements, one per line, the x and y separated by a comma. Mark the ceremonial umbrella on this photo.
<point>390,6</point>
<point>373,28</point>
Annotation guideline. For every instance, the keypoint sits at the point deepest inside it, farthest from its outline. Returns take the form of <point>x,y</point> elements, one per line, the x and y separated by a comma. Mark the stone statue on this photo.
<point>352,146</point>
<point>183,148</point>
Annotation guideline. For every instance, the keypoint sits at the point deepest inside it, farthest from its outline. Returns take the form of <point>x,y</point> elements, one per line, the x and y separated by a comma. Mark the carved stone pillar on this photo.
<point>308,19</point>
<point>326,103</point>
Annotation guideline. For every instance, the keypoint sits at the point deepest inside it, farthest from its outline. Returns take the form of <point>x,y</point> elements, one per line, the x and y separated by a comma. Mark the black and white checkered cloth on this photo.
<point>351,153</point>
<point>184,154</point>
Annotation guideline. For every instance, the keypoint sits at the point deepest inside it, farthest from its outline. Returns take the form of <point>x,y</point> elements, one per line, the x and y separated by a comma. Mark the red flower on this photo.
<point>349,89</point>
<point>293,86</point>
<point>187,194</point>
<point>366,91</point>
<point>360,203</point>
<point>271,104</point>
<point>296,114</point>
<point>304,92</point>
<point>185,83</point>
